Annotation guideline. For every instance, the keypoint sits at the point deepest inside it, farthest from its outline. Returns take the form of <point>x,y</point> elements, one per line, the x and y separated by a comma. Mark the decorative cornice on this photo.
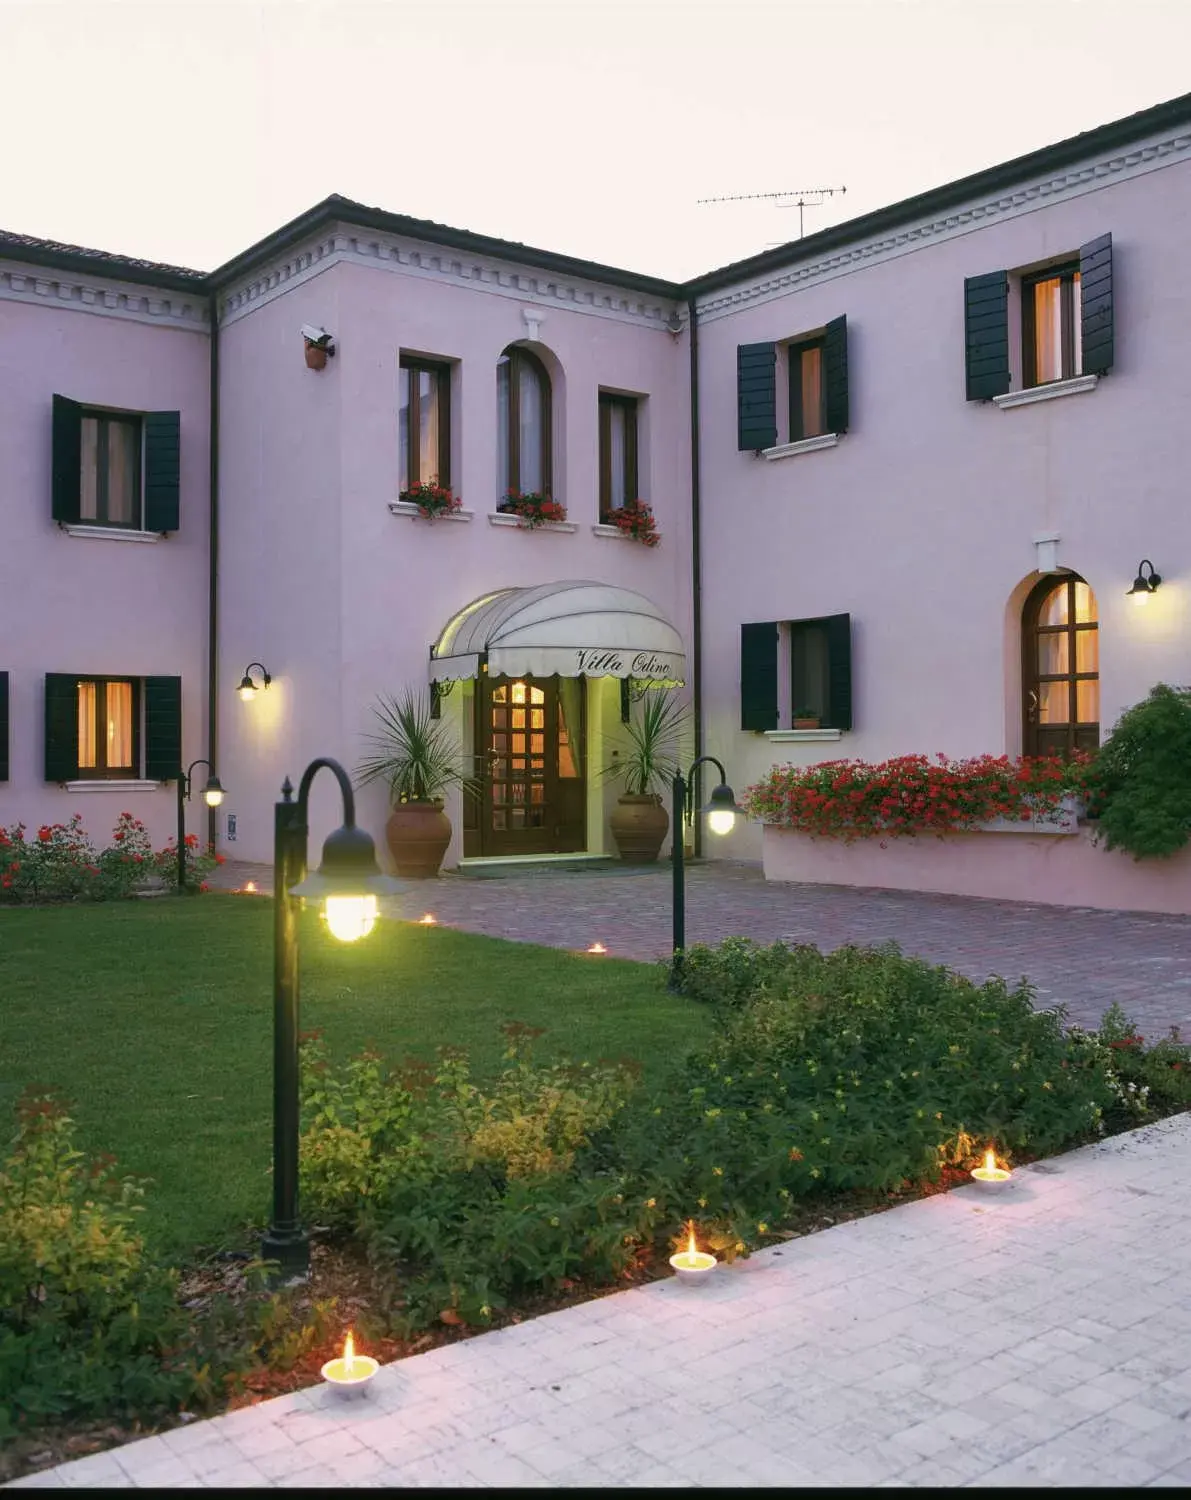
<point>41,287</point>
<point>346,245</point>
<point>1089,177</point>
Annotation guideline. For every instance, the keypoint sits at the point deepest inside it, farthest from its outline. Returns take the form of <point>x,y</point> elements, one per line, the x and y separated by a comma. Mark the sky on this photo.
<point>184,130</point>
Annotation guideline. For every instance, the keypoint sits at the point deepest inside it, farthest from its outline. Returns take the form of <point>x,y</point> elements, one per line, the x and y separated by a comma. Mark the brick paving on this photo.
<point>1035,1338</point>
<point>1075,956</point>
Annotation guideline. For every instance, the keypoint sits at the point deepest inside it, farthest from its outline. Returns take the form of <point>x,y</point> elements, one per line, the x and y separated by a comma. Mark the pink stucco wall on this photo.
<point>920,523</point>
<point>1057,868</point>
<point>341,599</point>
<point>85,604</point>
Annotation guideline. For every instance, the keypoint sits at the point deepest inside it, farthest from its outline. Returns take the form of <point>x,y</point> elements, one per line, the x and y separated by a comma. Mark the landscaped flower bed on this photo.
<point>59,863</point>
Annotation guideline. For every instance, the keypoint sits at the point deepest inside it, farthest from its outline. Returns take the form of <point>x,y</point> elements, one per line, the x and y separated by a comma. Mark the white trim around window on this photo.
<point>1054,388</point>
<point>804,445</point>
<point>110,533</point>
<point>114,784</point>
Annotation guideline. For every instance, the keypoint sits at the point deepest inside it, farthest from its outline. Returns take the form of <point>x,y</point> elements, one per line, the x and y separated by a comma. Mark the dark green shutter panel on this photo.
<point>162,472</point>
<point>839,671</point>
<point>1095,291</point>
<point>163,728</point>
<point>758,676</point>
<point>756,396</point>
<point>61,726</point>
<point>835,361</point>
<point>986,335</point>
<point>67,462</point>
<point>3,726</point>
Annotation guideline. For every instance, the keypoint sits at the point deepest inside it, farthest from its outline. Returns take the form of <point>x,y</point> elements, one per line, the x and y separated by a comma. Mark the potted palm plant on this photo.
<point>417,757</point>
<point>639,821</point>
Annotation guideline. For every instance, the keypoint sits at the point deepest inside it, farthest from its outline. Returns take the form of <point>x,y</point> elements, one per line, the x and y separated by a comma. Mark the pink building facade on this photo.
<point>931,448</point>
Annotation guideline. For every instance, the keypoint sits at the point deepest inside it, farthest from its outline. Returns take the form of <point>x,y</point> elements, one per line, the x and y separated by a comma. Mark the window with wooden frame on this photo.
<point>808,389</point>
<point>115,468</point>
<point>523,417</point>
<point>618,452</point>
<point>796,669</point>
<point>112,728</point>
<point>424,419</point>
<point>1050,325</point>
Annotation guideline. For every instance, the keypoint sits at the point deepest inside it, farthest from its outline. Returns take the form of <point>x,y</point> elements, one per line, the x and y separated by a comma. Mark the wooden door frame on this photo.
<point>1031,678</point>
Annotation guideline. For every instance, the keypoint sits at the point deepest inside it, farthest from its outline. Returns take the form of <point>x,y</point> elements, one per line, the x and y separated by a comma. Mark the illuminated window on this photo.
<point>1051,326</point>
<point>107,727</point>
<point>110,488</point>
<point>808,392</point>
<point>424,421</point>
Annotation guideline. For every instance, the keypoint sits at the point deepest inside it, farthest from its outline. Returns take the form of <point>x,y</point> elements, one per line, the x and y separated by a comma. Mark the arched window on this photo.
<point>523,423</point>
<point>1060,668</point>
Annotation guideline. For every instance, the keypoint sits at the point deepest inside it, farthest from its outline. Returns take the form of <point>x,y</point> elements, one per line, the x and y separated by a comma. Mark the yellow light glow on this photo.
<point>692,1262</point>
<point>428,920</point>
<point>247,694</point>
<point>250,888</point>
<point>1141,598</point>
<point>692,1248</point>
<point>721,821</point>
<point>213,798</point>
<point>350,917</point>
<point>349,1353</point>
<point>597,948</point>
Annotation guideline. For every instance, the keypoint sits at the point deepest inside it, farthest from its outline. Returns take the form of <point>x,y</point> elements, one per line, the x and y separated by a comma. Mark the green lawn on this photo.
<point>155,1019</point>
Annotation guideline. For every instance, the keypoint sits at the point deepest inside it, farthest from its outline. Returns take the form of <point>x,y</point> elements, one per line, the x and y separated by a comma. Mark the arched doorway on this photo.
<point>1060,668</point>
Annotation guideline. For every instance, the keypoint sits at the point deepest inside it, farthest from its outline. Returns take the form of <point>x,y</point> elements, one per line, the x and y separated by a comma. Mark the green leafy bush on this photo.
<point>88,1325</point>
<point>1138,784</point>
<point>60,863</point>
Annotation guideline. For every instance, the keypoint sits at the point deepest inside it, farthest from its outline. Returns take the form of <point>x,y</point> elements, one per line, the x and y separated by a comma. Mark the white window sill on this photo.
<point>806,445</point>
<point>612,531</point>
<point>408,508</point>
<point>112,533</point>
<point>1049,392</point>
<point>115,785</point>
<point>799,736</point>
<point>499,518</point>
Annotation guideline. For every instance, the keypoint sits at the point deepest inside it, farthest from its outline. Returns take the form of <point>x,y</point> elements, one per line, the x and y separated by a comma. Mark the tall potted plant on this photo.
<point>417,757</point>
<point>639,821</point>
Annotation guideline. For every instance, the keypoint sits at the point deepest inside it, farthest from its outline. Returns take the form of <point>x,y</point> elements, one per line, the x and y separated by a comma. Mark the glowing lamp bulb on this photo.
<point>350,917</point>
<point>247,691</point>
<point>250,888</point>
<point>1141,597</point>
<point>213,796</point>
<point>597,948</point>
<point>721,820</point>
<point>428,920</point>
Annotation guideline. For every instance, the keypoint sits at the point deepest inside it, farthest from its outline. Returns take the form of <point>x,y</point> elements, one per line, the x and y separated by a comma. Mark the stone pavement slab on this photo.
<point>1077,957</point>
<point>1034,1337</point>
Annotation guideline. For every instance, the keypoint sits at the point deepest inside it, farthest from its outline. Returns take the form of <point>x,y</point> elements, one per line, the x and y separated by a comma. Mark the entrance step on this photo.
<point>491,868</point>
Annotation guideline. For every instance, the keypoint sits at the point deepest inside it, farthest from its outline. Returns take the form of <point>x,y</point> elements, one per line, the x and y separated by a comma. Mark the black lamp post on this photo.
<point>721,813</point>
<point>348,882</point>
<point>212,796</point>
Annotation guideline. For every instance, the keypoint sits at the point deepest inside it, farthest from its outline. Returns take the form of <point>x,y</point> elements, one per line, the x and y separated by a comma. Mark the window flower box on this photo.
<point>532,509</point>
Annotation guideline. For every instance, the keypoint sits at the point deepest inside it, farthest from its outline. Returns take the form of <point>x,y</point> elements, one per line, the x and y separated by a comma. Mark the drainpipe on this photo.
<point>696,570</point>
<point>213,564</point>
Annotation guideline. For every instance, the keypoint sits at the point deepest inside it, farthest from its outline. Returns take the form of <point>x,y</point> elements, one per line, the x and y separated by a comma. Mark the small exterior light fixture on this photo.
<point>213,792</point>
<point>1144,585</point>
<point>248,689</point>
<point>722,810</point>
<point>721,813</point>
<point>212,796</point>
<point>674,323</point>
<point>347,883</point>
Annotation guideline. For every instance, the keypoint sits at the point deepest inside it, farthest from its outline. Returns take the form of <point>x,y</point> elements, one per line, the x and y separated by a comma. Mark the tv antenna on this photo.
<point>804,198</point>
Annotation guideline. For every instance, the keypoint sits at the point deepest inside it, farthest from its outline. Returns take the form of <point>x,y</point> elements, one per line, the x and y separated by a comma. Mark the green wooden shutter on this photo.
<point>163,728</point>
<point>756,396</point>
<point>162,471</point>
<point>839,671</point>
<point>835,362</point>
<point>758,676</point>
<point>1095,290</point>
<point>61,726</point>
<point>986,335</point>
<point>67,460</point>
<point>3,726</point>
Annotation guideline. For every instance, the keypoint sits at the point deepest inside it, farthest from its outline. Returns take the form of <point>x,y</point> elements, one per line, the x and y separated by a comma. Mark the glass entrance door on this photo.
<point>529,762</point>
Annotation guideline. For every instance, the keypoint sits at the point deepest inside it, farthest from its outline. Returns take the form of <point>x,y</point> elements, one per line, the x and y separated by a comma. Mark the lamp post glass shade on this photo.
<point>213,792</point>
<point>721,810</point>
<point>1144,584</point>
<point>248,689</point>
<point>348,882</point>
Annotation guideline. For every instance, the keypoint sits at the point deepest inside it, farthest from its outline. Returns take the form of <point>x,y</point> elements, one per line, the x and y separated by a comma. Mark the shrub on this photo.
<point>851,799</point>
<point>88,1326</point>
<point>1138,786</point>
<point>60,863</point>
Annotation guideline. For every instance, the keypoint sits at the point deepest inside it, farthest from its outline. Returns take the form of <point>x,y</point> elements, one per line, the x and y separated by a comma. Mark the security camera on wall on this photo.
<point>318,336</point>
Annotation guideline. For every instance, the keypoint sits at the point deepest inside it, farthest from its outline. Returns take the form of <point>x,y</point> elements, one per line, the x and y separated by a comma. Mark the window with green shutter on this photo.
<point>796,669</point>
<point>115,468</point>
<point>112,728</point>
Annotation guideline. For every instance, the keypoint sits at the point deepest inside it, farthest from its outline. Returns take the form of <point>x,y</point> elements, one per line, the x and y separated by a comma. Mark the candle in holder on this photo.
<point>351,1375</point>
<point>693,1264</point>
<point>428,921</point>
<point>597,948</point>
<point>990,1177</point>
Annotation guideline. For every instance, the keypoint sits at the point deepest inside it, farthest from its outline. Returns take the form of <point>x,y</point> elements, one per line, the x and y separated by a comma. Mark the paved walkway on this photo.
<point>1042,1336</point>
<point>1082,958</point>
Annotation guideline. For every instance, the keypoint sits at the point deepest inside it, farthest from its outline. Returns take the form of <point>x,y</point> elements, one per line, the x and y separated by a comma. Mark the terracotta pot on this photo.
<point>316,357</point>
<point>639,824</point>
<point>418,834</point>
<point>806,723</point>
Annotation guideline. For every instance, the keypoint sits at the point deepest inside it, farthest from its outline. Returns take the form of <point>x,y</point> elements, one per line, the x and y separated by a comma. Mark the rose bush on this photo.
<point>60,863</point>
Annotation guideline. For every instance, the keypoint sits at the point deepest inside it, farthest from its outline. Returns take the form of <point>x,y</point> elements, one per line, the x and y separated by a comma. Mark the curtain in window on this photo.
<point>124,445</point>
<point>812,392</point>
<point>530,434</point>
<point>87,695</point>
<point>428,424</point>
<point>119,726</point>
<point>1076,316</point>
<point>1048,324</point>
<point>89,495</point>
<point>502,425</point>
<point>617,456</point>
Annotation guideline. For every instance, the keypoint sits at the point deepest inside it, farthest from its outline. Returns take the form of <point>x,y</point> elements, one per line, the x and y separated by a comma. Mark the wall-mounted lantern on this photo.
<point>248,689</point>
<point>1145,583</point>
